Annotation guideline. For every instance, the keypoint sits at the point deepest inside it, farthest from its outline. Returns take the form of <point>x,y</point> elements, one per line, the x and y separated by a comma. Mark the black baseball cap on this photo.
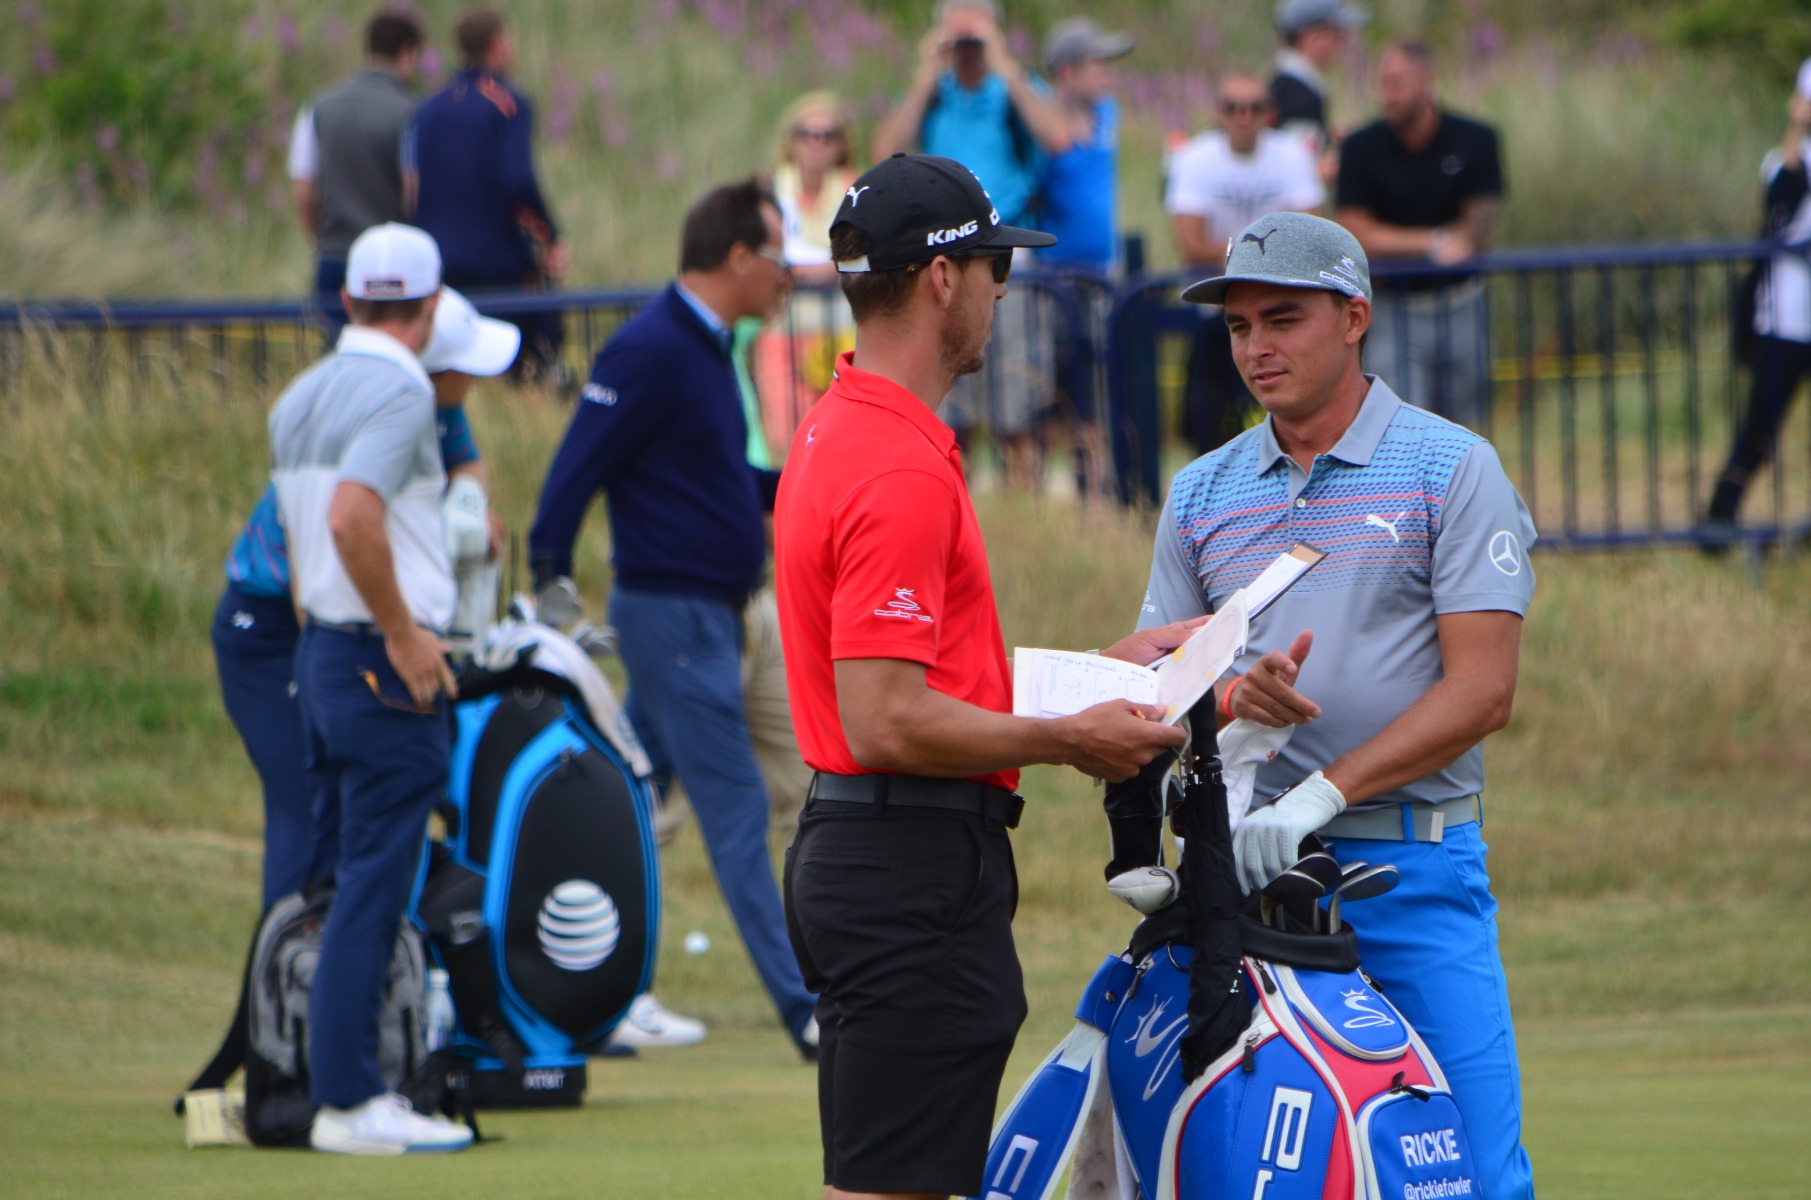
<point>913,207</point>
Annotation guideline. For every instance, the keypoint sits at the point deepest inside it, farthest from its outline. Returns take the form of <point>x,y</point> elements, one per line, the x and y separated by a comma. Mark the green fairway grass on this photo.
<point>1647,814</point>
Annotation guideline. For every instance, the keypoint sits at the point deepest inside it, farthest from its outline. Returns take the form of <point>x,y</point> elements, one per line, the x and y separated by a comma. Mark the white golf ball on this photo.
<point>696,942</point>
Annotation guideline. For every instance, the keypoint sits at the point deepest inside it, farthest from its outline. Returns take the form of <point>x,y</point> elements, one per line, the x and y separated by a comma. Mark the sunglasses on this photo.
<point>1245,108</point>
<point>1000,264</point>
<point>817,135</point>
<point>775,255</point>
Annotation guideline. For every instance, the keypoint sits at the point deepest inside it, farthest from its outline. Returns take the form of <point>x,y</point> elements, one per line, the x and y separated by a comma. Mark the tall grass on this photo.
<point>641,106</point>
<point>1657,750</point>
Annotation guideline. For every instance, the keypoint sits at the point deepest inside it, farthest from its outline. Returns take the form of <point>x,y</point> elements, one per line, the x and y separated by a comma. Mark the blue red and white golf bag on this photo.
<point>1226,1057</point>
<point>542,897</point>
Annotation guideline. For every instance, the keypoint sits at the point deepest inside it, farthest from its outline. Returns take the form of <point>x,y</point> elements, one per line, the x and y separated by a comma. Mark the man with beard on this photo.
<point>1425,184</point>
<point>900,884</point>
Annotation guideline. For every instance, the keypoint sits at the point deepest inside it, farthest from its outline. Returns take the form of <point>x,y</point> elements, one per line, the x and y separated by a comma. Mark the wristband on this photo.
<point>1226,700</point>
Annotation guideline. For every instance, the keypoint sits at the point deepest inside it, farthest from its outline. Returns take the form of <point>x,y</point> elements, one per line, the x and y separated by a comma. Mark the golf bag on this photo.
<point>542,898</point>
<point>278,1111</point>
<point>1222,1056</point>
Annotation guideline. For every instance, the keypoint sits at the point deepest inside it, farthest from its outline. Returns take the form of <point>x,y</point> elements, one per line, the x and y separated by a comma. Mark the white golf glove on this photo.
<point>463,517</point>
<point>1269,840</point>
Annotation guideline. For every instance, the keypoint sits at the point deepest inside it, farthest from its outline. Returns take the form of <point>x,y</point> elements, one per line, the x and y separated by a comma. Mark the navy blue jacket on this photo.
<point>659,429</point>
<point>472,148</point>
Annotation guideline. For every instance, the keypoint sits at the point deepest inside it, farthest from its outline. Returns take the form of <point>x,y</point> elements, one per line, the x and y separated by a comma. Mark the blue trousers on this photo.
<point>1431,945</point>
<point>380,768</point>
<point>329,278</point>
<point>255,652</point>
<point>684,656</point>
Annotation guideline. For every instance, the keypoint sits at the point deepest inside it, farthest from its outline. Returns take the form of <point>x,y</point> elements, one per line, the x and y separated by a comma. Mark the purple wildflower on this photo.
<point>560,111</point>
<point>106,138</point>
<point>44,59</point>
<point>1207,36</point>
<point>615,126</point>
<point>27,12</point>
<point>8,89</point>
<point>253,29</point>
<point>254,171</point>
<point>667,164</point>
<point>603,82</point>
<point>431,62</point>
<point>289,38</point>
<point>87,184</point>
<point>1488,39</point>
<point>333,31</point>
<point>1018,40</point>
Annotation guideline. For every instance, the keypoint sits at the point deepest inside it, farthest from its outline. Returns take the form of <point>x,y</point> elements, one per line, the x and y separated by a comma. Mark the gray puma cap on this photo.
<point>1294,250</point>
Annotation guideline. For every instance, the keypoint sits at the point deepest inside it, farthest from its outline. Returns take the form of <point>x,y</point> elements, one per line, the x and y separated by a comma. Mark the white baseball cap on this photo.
<point>393,262</point>
<point>465,341</point>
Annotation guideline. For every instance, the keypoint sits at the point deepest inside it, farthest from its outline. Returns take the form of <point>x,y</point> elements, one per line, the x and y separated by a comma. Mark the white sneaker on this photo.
<point>649,1023</point>
<point>385,1125</point>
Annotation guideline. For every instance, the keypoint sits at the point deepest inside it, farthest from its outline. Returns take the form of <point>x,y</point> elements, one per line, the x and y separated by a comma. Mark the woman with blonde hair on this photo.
<point>814,145</point>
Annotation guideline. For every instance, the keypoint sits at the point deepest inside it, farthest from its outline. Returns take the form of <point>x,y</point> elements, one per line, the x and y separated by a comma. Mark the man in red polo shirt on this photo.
<point>900,885</point>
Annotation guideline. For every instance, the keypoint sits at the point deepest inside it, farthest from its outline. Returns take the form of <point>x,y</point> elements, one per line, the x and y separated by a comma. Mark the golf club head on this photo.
<point>1293,887</point>
<point>1369,883</point>
<point>1352,868</point>
<point>1322,867</point>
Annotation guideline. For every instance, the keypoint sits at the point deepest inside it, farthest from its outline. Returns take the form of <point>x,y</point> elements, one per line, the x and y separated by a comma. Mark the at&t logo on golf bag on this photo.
<point>579,925</point>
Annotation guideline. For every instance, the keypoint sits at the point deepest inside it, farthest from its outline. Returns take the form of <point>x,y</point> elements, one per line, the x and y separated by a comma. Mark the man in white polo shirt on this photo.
<point>356,464</point>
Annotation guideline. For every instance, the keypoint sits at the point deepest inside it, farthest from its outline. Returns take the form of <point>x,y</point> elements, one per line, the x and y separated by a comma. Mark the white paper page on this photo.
<point>1276,579</point>
<point>1192,667</point>
<point>1060,683</point>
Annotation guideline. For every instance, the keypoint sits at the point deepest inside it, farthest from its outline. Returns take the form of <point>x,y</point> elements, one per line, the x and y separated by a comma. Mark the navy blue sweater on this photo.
<point>659,429</point>
<point>472,145</point>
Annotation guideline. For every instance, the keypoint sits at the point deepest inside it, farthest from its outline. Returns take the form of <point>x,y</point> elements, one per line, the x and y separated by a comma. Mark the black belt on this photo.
<point>882,792</point>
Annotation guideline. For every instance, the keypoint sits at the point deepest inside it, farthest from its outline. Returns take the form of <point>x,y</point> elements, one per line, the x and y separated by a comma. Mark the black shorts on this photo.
<point>902,924</point>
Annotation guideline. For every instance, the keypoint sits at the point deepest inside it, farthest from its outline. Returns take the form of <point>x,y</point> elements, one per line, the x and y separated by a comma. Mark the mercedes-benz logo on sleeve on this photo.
<point>1506,553</point>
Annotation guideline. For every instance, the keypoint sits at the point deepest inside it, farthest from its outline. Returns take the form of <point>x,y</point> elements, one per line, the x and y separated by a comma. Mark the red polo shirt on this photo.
<point>879,556</point>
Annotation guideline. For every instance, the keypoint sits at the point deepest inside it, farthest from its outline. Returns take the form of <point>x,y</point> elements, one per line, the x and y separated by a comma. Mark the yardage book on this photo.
<point>1058,683</point>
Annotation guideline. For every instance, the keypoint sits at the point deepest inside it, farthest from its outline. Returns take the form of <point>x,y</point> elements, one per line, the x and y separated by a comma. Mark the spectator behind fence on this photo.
<point>1779,350</point>
<point>814,145</point>
<point>345,154</point>
<point>1080,207</point>
<point>1425,184</point>
<point>472,179</point>
<point>1315,34</point>
<point>1219,183</point>
<point>660,431</point>
<point>971,101</point>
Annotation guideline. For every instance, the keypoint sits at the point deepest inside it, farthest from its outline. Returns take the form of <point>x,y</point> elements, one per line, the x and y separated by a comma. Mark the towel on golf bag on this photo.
<point>542,900</point>
<point>278,1111</point>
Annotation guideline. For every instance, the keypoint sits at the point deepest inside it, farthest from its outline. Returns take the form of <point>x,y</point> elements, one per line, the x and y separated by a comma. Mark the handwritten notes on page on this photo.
<point>1060,683</point>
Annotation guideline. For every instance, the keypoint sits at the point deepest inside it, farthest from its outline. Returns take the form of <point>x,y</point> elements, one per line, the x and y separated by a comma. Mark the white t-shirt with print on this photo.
<point>1208,180</point>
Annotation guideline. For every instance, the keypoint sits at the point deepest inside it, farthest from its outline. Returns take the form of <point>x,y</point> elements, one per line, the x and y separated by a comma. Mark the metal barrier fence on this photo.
<point>1604,376</point>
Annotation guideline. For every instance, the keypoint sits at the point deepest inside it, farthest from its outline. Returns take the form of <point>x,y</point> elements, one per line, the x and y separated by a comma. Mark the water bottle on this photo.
<point>438,1011</point>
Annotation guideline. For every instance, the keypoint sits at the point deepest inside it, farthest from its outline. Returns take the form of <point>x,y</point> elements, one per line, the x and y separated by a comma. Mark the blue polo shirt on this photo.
<point>980,129</point>
<point>1417,519</point>
<point>1080,202</point>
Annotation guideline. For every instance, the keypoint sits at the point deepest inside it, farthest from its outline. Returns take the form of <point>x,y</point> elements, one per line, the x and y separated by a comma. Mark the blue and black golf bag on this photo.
<point>1233,1051</point>
<point>542,896</point>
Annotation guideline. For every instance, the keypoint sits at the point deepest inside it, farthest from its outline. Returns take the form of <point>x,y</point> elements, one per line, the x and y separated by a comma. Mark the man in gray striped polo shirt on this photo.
<point>1414,620</point>
<point>356,464</point>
